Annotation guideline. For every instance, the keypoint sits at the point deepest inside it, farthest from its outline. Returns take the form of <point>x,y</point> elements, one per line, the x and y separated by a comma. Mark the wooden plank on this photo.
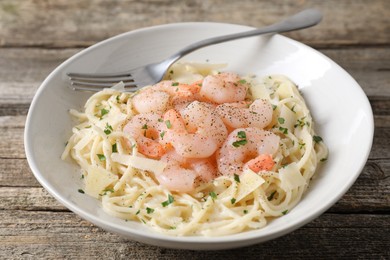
<point>26,198</point>
<point>22,72</point>
<point>16,173</point>
<point>370,192</point>
<point>81,23</point>
<point>58,234</point>
<point>11,143</point>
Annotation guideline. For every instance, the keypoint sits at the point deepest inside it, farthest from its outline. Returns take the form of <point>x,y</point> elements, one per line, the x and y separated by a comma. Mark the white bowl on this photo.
<point>340,109</point>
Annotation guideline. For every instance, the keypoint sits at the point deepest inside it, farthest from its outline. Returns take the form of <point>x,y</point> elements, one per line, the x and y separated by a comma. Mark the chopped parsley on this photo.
<point>101,157</point>
<point>301,122</point>
<point>137,212</point>
<point>242,81</point>
<point>281,120</point>
<point>213,195</point>
<point>285,212</point>
<point>169,201</point>
<point>107,190</point>
<point>108,130</point>
<point>114,148</point>
<point>236,178</point>
<point>317,138</point>
<point>162,134</point>
<point>241,134</point>
<point>283,130</point>
<point>81,191</point>
<point>174,84</point>
<point>301,145</point>
<point>239,143</point>
<point>149,210</point>
<point>233,200</point>
<point>103,112</point>
<point>245,211</point>
<point>271,196</point>
<point>274,107</point>
<point>168,124</point>
<point>145,126</point>
<point>243,141</point>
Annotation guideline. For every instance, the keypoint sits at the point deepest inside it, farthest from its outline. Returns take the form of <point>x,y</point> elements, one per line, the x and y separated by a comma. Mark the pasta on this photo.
<point>116,170</point>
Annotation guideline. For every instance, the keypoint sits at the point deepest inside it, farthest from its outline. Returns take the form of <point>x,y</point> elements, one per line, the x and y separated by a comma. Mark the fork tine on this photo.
<point>102,80</point>
<point>100,85</point>
<point>84,88</point>
<point>101,75</point>
<point>108,80</point>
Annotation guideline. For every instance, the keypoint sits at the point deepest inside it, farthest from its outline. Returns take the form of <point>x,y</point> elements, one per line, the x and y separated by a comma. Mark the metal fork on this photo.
<point>150,74</point>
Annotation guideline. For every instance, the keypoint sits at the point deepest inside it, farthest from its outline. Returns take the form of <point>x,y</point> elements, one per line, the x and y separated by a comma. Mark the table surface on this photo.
<point>36,36</point>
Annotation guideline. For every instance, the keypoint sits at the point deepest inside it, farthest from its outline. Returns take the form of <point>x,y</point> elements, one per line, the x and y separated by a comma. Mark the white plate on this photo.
<point>340,109</point>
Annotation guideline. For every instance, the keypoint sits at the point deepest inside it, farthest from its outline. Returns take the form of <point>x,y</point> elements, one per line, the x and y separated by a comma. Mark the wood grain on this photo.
<point>58,234</point>
<point>65,23</point>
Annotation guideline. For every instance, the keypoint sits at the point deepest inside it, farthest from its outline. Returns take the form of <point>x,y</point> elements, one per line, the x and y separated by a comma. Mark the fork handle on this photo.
<point>301,20</point>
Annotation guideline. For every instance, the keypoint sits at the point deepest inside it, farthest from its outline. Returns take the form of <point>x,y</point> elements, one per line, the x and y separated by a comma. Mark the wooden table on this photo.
<point>36,36</point>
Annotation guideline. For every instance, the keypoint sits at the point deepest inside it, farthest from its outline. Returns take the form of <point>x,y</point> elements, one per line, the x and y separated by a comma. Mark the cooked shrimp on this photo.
<point>163,95</point>
<point>182,174</point>
<point>224,87</point>
<point>244,145</point>
<point>239,115</point>
<point>178,92</point>
<point>151,100</point>
<point>263,162</point>
<point>191,142</point>
<point>201,117</point>
<point>144,128</point>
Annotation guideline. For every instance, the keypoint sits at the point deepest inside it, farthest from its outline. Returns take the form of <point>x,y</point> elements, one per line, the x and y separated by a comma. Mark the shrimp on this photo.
<point>239,115</point>
<point>163,95</point>
<point>263,162</point>
<point>176,89</point>
<point>247,147</point>
<point>196,133</point>
<point>189,145</point>
<point>182,174</point>
<point>201,117</point>
<point>145,129</point>
<point>222,88</point>
<point>151,100</point>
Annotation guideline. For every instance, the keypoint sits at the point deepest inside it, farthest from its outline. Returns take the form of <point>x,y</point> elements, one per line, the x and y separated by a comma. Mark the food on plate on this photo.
<point>203,152</point>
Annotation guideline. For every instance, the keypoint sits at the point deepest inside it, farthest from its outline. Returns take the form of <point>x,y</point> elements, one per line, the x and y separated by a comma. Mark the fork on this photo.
<point>150,74</point>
